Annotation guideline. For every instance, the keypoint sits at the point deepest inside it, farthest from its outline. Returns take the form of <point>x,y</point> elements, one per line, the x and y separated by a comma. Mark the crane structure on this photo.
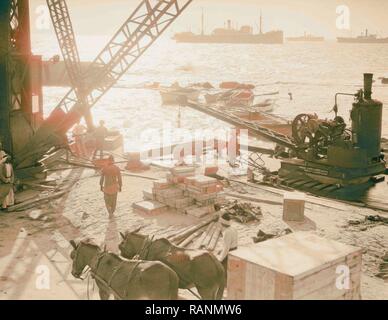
<point>145,25</point>
<point>60,17</point>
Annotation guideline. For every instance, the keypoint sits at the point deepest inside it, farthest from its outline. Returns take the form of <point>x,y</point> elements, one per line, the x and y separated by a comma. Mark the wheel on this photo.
<point>300,129</point>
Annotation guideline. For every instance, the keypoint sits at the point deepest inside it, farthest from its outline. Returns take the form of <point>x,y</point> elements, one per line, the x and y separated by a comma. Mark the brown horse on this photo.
<point>126,280</point>
<point>195,268</point>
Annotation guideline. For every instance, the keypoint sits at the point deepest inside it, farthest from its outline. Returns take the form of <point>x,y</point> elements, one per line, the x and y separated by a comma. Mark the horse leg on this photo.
<point>103,291</point>
<point>208,293</point>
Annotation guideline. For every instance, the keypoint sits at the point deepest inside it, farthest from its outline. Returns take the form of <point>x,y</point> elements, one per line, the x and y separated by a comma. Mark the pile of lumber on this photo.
<point>204,235</point>
<point>185,192</point>
<point>243,212</point>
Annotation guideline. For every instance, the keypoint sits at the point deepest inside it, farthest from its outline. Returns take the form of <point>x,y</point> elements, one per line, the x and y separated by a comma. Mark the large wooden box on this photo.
<point>298,266</point>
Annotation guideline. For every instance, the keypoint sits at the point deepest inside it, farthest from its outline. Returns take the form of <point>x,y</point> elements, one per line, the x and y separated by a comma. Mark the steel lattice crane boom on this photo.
<point>149,20</point>
<point>64,31</point>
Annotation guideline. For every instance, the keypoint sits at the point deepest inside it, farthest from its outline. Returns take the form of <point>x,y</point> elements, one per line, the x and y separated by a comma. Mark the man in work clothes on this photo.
<point>100,134</point>
<point>79,133</point>
<point>7,179</point>
<point>230,240</point>
<point>111,185</point>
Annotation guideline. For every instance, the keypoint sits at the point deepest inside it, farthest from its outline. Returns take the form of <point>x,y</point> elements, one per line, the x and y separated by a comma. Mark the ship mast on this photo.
<point>261,22</point>
<point>202,23</point>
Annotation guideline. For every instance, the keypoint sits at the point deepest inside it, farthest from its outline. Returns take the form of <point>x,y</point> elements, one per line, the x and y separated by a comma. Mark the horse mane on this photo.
<point>90,242</point>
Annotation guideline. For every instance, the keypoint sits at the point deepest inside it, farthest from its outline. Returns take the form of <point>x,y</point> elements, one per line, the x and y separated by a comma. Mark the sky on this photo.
<point>294,17</point>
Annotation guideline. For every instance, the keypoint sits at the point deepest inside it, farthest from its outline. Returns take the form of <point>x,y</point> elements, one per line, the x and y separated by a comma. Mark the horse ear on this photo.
<point>122,235</point>
<point>73,244</point>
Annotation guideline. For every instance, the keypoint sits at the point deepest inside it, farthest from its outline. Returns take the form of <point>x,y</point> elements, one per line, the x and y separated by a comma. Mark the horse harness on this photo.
<point>108,284</point>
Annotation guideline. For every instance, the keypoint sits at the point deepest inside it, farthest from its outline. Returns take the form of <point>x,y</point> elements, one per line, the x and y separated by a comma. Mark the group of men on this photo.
<point>80,134</point>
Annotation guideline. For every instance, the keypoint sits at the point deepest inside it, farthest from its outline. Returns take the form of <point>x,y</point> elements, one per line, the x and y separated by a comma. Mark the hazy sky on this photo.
<point>292,16</point>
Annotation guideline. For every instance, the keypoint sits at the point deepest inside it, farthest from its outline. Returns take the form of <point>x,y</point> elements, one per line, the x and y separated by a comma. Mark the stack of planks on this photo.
<point>204,235</point>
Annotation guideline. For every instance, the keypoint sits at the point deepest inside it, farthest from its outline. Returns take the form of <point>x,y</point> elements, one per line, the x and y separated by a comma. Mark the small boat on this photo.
<point>242,98</point>
<point>176,95</point>
<point>265,106</point>
<point>384,80</point>
<point>236,85</point>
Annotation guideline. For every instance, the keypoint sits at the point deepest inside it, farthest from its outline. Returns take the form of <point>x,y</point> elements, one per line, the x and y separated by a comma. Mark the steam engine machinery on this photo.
<point>332,154</point>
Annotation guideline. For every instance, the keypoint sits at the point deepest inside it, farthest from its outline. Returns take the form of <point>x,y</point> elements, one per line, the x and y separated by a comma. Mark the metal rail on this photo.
<point>149,20</point>
<point>253,128</point>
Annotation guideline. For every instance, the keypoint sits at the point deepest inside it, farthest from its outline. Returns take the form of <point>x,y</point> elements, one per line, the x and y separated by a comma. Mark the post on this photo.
<point>5,135</point>
<point>368,81</point>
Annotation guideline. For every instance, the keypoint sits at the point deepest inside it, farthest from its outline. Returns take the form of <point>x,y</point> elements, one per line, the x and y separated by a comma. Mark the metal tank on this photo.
<point>366,118</point>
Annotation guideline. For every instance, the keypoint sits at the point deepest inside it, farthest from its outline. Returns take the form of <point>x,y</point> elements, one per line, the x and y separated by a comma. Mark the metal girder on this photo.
<point>63,27</point>
<point>149,20</point>
<point>60,17</point>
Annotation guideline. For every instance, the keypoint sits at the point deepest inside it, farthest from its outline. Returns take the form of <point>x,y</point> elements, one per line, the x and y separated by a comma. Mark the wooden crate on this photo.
<point>294,267</point>
<point>293,206</point>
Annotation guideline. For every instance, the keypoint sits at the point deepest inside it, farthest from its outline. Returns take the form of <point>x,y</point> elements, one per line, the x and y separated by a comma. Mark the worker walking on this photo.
<point>100,134</point>
<point>230,240</point>
<point>111,185</point>
<point>7,179</point>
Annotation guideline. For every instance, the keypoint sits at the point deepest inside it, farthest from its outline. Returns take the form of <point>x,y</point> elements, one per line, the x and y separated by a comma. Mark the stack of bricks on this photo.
<point>187,193</point>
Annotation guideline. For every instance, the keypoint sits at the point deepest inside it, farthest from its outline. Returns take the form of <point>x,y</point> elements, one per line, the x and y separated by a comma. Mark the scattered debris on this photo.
<point>262,236</point>
<point>243,212</point>
<point>368,222</point>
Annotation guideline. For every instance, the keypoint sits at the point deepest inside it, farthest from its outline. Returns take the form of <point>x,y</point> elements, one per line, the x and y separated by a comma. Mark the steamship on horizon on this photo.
<point>306,38</point>
<point>229,34</point>
<point>363,38</point>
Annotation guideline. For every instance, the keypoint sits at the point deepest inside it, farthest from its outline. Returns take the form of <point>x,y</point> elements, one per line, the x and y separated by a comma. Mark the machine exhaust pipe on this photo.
<point>368,81</point>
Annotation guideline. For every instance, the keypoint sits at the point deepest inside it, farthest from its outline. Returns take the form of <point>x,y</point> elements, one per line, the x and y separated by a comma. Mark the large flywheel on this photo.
<point>303,130</point>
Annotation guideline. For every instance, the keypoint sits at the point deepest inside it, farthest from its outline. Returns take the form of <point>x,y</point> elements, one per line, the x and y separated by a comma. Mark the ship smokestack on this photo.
<point>368,81</point>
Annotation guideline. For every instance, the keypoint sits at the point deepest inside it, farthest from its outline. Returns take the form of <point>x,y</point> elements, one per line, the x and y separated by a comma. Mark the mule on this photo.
<point>126,280</point>
<point>195,268</point>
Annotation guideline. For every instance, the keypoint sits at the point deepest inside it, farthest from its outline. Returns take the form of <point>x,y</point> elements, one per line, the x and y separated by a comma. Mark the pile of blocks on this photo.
<point>186,192</point>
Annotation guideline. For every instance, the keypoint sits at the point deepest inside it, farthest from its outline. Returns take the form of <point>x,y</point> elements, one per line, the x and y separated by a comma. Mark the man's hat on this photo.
<point>225,220</point>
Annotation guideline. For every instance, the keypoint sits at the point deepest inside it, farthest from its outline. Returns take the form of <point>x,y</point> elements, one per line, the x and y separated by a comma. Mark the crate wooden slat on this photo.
<point>297,266</point>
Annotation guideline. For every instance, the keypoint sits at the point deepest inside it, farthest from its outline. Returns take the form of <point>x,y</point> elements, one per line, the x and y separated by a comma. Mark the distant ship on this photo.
<point>232,35</point>
<point>306,38</point>
<point>363,38</point>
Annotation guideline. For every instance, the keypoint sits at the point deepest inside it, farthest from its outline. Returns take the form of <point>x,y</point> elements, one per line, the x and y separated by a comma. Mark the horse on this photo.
<point>126,280</point>
<point>195,268</point>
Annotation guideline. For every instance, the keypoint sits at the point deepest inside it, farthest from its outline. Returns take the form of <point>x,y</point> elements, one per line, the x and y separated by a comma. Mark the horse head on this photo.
<point>82,255</point>
<point>132,244</point>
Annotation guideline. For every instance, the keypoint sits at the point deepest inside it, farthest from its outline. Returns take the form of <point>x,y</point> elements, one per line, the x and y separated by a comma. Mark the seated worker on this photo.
<point>230,240</point>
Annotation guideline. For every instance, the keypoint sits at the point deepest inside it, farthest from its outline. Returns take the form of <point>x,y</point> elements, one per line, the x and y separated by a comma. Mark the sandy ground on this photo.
<point>34,247</point>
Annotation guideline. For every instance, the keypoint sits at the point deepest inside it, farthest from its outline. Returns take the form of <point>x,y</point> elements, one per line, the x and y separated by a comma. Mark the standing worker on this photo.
<point>79,133</point>
<point>100,134</point>
<point>230,240</point>
<point>111,185</point>
<point>7,179</point>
